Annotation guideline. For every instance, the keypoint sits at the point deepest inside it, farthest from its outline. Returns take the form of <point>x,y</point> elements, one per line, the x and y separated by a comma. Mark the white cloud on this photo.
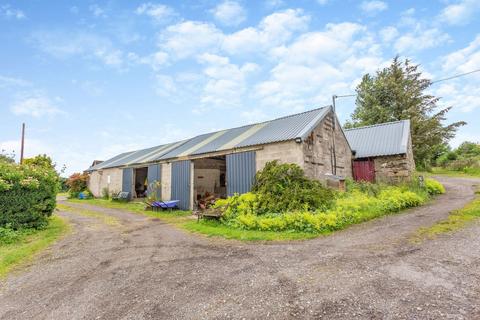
<point>8,12</point>
<point>190,38</point>
<point>88,45</point>
<point>461,93</point>
<point>388,34</point>
<point>97,11</point>
<point>460,13</point>
<point>226,82</point>
<point>420,39</point>
<point>273,30</point>
<point>274,3</point>
<point>317,65</point>
<point>33,147</point>
<point>373,7</point>
<point>464,60</point>
<point>229,13</point>
<point>36,105</point>
<point>322,2</point>
<point>159,12</point>
<point>12,82</point>
<point>156,60</point>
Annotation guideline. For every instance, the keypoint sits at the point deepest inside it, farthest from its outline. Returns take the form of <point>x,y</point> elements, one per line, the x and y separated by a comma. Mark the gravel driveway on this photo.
<point>143,268</point>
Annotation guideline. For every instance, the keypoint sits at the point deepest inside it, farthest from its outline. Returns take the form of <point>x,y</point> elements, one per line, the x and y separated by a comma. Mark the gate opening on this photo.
<point>141,184</point>
<point>210,178</point>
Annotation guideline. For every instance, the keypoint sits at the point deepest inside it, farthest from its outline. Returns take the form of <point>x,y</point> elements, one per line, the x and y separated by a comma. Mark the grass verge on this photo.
<point>24,250</point>
<point>458,219</point>
<point>106,219</point>
<point>210,228</point>
<point>451,173</point>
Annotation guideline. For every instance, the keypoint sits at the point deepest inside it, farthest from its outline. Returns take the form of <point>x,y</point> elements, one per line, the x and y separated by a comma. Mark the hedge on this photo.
<point>27,195</point>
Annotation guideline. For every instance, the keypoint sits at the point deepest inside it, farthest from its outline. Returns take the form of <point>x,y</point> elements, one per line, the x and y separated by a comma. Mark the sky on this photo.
<point>92,79</point>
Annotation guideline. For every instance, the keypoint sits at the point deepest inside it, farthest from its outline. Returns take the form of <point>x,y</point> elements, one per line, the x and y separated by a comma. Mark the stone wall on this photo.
<point>392,169</point>
<point>284,152</point>
<point>318,151</point>
<point>98,180</point>
<point>396,168</point>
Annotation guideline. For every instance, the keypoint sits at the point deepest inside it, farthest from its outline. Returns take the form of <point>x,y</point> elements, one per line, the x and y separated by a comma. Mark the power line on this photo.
<point>456,76</point>
<point>439,80</point>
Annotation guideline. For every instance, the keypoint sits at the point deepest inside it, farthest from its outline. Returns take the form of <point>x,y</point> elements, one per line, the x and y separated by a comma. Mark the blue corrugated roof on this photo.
<point>379,140</point>
<point>281,129</point>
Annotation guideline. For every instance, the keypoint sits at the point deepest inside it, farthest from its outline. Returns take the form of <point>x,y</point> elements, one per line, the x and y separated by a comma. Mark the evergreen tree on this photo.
<point>398,92</point>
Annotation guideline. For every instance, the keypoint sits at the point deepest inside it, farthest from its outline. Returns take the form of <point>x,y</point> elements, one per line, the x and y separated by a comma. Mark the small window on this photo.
<point>108,179</point>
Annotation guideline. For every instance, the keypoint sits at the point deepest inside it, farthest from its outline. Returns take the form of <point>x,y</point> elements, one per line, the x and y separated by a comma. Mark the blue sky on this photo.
<point>95,78</point>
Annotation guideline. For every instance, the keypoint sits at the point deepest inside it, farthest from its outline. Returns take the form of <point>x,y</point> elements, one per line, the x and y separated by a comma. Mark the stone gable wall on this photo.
<point>318,154</point>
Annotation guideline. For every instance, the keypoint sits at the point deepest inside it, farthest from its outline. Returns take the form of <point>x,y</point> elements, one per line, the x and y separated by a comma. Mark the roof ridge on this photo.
<point>377,125</point>
<point>245,125</point>
<point>212,133</point>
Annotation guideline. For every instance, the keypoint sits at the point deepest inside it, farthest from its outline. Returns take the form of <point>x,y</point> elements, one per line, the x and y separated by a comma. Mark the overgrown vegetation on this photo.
<point>464,160</point>
<point>27,193</point>
<point>455,221</point>
<point>256,215</point>
<point>77,183</point>
<point>329,212</point>
<point>400,92</point>
<point>284,187</point>
<point>19,246</point>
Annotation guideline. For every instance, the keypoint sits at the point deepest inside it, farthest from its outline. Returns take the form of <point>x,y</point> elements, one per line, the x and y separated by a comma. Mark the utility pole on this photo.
<point>23,143</point>
<point>334,165</point>
<point>335,97</point>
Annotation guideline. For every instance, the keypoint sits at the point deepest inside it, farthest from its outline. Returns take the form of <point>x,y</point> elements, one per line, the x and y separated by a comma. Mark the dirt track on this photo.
<point>146,269</point>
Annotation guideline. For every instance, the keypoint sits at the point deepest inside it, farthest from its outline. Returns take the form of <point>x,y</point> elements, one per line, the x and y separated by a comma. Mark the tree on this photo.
<point>398,92</point>
<point>5,157</point>
<point>42,160</point>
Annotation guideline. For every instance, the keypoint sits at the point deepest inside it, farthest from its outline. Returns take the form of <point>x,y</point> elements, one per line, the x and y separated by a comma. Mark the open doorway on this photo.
<point>141,182</point>
<point>210,178</point>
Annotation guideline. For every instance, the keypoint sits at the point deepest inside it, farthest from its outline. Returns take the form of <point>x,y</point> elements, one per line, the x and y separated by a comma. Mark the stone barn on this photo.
<point>383,152</point>
<point>225,162</point>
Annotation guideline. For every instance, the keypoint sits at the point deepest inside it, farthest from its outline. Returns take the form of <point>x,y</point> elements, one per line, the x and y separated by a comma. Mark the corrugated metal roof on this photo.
<point>379,140</point>
<point>286,128</point>
<point>281,129</point>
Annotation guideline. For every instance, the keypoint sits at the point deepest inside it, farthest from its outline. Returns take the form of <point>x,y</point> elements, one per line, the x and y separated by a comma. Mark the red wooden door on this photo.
<point>364,170</point>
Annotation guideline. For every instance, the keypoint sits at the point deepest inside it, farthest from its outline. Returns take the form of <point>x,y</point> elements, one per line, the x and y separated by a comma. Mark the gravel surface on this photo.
<point>144,268</point>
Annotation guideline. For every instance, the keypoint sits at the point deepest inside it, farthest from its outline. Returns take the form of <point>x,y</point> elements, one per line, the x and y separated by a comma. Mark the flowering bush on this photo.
<point>27,194</point>
<point>77,183</point>
<point>434,187</point>
<point>361,202</point>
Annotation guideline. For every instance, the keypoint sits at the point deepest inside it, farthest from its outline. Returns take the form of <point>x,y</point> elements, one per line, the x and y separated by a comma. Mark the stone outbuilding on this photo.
<point>383,152</point>
<point>225,162</point>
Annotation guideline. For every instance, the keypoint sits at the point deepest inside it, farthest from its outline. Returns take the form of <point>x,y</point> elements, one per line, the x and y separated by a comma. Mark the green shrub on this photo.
<point>353,207</point>
<point>360,203</point>
<point>433,186</point>
<point>105,193</point>
<point>77,183</point>
<point>27,194</point>
<point>284,187</point>
<point>8,235</point>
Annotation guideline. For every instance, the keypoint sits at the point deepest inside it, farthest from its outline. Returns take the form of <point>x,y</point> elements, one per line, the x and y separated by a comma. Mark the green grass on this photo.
<point>136,207</point>
<point>106,219</point>
<point>469,173</point>
<point>456,220</point>
<point>14,254</point>
<point>210,228</point>
<point>213,228</point>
